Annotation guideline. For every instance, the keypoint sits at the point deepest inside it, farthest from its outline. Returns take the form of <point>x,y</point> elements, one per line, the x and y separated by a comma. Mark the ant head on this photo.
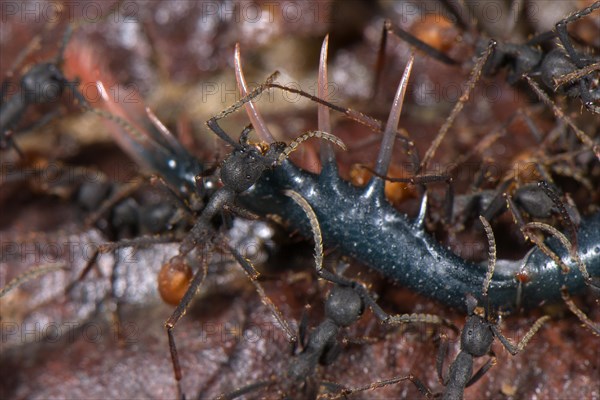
<point>477,336</point>
<point>344,305</point>
<point>43,83</point>
<point>242,168</point>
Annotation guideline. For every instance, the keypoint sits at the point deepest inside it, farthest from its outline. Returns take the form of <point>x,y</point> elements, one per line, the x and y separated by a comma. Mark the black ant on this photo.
<point>565,71</point>
<point>476,341</point>
<point>43,83</point>
<point>110,206</point>
<point>552,66</point>
<point>240,170</point>
<point>344,306</point>
<point>531,196</point>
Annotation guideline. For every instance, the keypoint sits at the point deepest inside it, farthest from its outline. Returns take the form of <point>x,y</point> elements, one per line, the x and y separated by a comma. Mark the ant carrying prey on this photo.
<point>240,170</point>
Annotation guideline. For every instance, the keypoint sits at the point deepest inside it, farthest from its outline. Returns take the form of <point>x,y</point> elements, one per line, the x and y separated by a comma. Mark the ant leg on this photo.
<point>182,308</point>
<point>566,244</point>
<point>424,390</point>
<point>361,118</point>
<point>415,180</point>
<point>419,44</point>
<point>475,74</point>
<point>576,75</point>
<point>303,328</point>
<point>512,349</point>
<point>498,204</point>
<point>584,138</point>
<point>253,275</point>
<point>527,228</point>
<point>33,45</point>
<point>123,192</point>
<point>564,214</point>
<point>41,122</point>
<point>594,327</point>
<point>186,207</point>
<point>482,371</point>
<point>111,246</point>
<point>588,101</point>
<point>422,180</point>
<point>246,389</point>
<point>214,125</point>
<point>441,356</point>
<point>563,35</point>
<point>240,212</point>
<point>29,275</point>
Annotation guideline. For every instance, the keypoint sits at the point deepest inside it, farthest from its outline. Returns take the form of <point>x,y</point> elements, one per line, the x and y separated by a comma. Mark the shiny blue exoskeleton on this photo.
<point>365,226</point>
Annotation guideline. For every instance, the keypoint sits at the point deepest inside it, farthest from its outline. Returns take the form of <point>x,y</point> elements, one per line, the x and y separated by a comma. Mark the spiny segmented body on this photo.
<point>363,224</point>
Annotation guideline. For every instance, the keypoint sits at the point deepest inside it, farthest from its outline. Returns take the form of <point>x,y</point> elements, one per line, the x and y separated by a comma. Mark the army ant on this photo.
<point>344,306</point>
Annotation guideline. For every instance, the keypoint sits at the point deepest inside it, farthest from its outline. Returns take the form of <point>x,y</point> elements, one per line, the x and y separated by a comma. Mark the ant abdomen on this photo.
<point>173,280</point>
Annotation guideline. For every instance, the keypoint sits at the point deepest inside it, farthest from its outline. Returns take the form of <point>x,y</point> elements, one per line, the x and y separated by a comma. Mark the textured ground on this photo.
<point>179,57</point>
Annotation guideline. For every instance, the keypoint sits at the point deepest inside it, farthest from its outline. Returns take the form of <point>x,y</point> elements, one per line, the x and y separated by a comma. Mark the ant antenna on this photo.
<point>314,225</point>
<point>304,137</point>
<point>475,74</point>
<point>491,254</point>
